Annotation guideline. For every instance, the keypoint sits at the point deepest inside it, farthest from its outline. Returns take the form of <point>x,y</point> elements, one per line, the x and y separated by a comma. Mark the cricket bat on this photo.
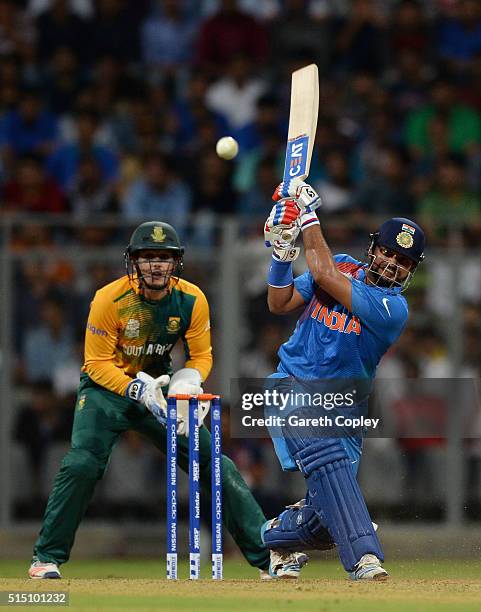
<point>302,123</point>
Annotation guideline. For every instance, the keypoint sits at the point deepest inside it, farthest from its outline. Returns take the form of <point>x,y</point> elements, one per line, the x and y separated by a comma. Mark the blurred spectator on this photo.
<point>470,89</point>
<point>461,124</point>
<point>66,375</point>
<point>191,112</point>
<point>114,30</point>
<point>256,204</point>
<point>270,145</point>
<point>17,33</point>
<point>10,70</point>
<point>63,164</point>
<point>235,95</point>
<point>258,137</point>
<point>228,33</point>
<point>60,25</point>
<point>421,417</point>
<point>91,194</point>
<point>63,80</point>
<point>82,8</point>
<point>31,190</point>
<point>167,36</point>
<point>213,186</point>
<point>408,82</point>
<point>39,423</point>
<point>30,127</point>
<point>335,188</point>
<point>49,344</point>
<point>351,105</point>
<point>449,203</point>
<point>261,359</point>
<point>158,194</point>
<point>361,39</point>
<point>380,136</point>
<point>388,191</point>
<point>128,485</point>
<point>409,31</point>
<point>459,37</point>
<point>296,31</point>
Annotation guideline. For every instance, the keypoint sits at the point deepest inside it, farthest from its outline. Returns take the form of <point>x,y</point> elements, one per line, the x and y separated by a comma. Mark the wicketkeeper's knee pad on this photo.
<point>336,496</point>
<point>298,528</point>
<point>83,463</point>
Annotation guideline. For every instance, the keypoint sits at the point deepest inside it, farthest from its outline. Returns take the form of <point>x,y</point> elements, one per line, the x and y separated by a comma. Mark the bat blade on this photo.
<point>302,122</point>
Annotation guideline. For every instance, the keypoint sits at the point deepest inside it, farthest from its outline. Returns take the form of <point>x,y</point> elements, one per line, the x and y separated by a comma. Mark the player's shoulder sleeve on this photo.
<point>305,285</point>
<point>344,258</point>
<point>101,337</point>
<point>197,342</point>
<point>102,308</point>
<point>384,313</point>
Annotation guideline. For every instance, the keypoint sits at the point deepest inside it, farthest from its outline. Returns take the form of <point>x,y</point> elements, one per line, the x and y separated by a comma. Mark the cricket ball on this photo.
<point>227,147</point>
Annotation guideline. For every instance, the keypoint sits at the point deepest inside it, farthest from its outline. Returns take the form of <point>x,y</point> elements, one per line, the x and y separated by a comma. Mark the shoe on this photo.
<point>38,569</point>
<point>369,568</point>
<point>264,575</point>
<point>287,565</point>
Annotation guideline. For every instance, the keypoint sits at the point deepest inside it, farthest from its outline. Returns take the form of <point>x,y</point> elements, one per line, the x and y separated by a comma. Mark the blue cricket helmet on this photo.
<point>402,236</point>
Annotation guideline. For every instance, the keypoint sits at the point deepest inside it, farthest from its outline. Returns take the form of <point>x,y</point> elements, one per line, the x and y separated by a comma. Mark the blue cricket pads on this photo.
<point>298,528</point>
<point>334,493</point>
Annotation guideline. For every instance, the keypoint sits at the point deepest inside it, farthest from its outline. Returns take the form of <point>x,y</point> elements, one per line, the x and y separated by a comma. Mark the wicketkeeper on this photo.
<point>133,325</point>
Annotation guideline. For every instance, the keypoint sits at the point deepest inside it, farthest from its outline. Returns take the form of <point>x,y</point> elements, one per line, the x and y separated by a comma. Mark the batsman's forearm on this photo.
<point>323,267</point>
<point>318,255</point>
<point>279,298</point>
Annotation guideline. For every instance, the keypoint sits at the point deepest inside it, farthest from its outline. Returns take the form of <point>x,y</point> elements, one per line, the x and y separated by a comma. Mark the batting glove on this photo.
<point>282,225</point>
<point>148,391</point>
<point>304,194</point>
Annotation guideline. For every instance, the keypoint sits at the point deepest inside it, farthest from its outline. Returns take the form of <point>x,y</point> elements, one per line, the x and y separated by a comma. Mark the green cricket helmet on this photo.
<point>154,236</point>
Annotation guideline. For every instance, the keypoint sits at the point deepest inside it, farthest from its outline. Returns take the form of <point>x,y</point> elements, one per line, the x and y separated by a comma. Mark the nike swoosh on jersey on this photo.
<point>385,302</point>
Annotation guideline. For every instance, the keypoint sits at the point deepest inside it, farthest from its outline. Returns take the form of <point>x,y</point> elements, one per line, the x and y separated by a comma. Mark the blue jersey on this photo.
<point>329,341</point>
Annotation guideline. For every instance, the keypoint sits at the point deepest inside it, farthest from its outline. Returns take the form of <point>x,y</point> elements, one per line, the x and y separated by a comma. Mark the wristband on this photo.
<point>308,220</point>
<point>280,274</point>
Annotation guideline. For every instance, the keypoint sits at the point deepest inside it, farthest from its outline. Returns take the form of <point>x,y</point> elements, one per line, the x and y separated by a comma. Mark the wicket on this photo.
<point>194,485</point>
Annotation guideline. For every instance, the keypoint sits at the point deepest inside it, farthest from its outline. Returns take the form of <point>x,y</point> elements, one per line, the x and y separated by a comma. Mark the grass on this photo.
<point>115,584</point>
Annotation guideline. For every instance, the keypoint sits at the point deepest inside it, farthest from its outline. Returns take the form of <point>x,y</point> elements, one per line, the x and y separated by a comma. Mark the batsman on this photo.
<point>133,325</point>
<point>351,312</point>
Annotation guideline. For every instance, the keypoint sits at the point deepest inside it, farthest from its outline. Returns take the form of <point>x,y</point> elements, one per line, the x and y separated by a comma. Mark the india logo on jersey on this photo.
<point>336,321</point>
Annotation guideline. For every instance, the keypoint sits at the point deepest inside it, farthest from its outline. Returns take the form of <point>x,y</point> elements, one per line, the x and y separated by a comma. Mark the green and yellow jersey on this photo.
<point>126,333</point>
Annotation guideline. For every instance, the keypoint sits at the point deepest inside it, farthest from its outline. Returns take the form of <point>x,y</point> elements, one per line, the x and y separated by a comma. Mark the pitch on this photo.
<point>420,586</point>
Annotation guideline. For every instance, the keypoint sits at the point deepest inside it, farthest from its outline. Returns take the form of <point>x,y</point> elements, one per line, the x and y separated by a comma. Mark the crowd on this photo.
<point>109,114</point>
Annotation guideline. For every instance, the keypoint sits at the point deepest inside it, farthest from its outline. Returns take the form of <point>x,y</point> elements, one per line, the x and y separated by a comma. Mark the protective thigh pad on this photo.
<point>335,496</point>
<point>298,528</point>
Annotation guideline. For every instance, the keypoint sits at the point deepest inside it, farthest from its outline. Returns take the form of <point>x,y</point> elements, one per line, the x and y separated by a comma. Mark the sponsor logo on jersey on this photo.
<point>405,240</point>
<point>132,329</point>
<point>96,331</point>
<point>81,402</point>
<point>173,325</point>
<point>337,321</point>
<point>150,348</point>
<point>158,234</point>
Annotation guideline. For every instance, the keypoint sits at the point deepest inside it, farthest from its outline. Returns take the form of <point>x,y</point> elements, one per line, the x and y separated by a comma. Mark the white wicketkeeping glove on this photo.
<point>187,381</point>
<point>148,391</point>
